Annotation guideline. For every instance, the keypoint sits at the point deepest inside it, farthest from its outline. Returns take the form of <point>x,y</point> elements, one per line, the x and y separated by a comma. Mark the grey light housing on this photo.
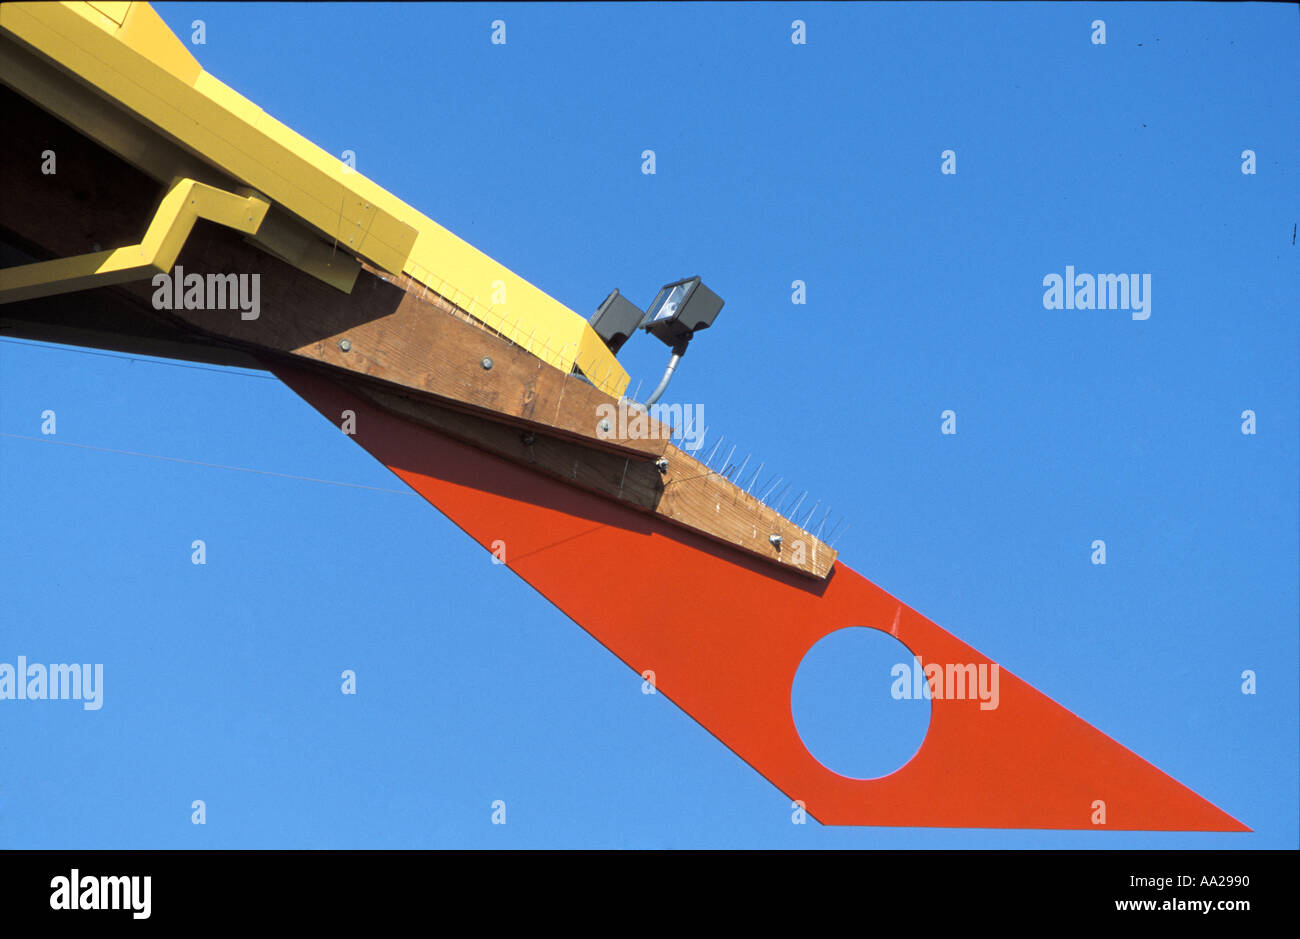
<point>615,320</point>
<point>680,310</point>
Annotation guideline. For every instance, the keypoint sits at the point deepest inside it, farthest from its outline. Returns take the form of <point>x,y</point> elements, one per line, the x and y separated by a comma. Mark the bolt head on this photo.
<point>486,362</point>
<point>775,540</point>
<point>345,345</point>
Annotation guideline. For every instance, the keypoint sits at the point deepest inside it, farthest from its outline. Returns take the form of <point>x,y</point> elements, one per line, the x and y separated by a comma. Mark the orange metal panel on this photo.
<point>726,641</point>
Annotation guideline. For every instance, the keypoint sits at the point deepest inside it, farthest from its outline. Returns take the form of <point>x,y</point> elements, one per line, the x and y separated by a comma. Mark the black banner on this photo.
<point>336,887</point>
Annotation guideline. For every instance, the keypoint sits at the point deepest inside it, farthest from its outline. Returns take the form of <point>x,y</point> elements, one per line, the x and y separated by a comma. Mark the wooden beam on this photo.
<point>412,352</point>
<point>386,333</point>
<point>409,338</point>
<point>613,475</point>
<point>685,492</point>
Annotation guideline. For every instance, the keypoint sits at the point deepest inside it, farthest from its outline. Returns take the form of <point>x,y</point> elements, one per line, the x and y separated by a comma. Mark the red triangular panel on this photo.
<point>725,633</point>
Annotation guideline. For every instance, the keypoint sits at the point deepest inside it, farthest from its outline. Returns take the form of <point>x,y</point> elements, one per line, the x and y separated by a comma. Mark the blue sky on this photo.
<point>775,162</point>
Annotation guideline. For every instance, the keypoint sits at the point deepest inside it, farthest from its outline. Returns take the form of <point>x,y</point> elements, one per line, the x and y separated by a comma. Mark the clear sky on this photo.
<point>776,162</point>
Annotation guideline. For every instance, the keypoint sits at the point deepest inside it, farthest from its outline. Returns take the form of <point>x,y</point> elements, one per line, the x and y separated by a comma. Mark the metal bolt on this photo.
<point>604,426</point>
<point>662,464</point>
<point>528,438</point>
<point>775,540</point>
<point>486,362</point>
<point>345,345</point>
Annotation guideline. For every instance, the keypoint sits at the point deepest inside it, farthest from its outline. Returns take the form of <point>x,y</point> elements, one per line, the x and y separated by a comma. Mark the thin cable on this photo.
<point>240,469</point>
<point>150,360</point>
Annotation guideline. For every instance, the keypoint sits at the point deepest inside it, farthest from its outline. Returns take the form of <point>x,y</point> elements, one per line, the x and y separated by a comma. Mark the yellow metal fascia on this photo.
<point>100,119</point>
<point>147,33</point>
<point>214,122</point>
<point>235,135</point>
<point>110,15</point>
<point>185,203</point>
<point>455,269</point>
<point>498,296</point>
<point>283,237</point>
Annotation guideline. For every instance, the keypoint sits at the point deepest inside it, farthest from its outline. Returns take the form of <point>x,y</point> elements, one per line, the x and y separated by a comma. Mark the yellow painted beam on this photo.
<point>54,90</point>
<point>133,59</point>
<point>185,203</point>
<point>145,31</point>
<point>283,238</point>
<point>114,10</point>
<point>214,122</point>
<point>281,235</point>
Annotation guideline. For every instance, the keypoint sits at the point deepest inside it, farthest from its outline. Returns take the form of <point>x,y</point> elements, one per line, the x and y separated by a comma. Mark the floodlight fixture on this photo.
<point>615,320</point>
<point>679,311</point>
